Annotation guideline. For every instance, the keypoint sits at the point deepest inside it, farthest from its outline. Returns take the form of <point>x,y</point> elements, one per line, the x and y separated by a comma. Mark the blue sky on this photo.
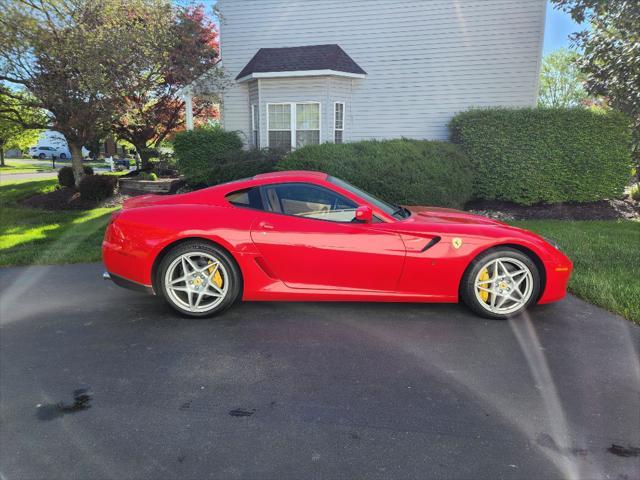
<point>558,27</point>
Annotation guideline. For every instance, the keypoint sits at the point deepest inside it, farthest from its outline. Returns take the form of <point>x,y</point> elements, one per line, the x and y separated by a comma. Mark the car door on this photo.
<point>308,239</point>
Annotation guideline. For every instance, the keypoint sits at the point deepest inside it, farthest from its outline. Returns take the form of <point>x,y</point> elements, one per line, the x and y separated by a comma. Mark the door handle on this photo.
<point>265,225</point>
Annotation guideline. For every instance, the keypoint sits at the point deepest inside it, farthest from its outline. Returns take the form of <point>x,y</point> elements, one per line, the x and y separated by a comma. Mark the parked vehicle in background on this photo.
<point>52,144</point>
<point>45,152</point>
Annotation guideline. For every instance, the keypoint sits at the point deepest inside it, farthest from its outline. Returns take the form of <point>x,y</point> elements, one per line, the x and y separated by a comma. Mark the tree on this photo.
<point>156,108</point>
<point>78,59</point>
<point>16,123</point>
<point>561,81</point>
<point>611,53</point>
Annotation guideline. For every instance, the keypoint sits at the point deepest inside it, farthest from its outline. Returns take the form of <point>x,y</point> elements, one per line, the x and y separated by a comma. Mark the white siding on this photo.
<point>426,60</point>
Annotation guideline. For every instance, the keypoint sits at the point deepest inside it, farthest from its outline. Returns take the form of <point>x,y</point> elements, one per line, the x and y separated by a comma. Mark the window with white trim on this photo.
<point>254,126</point>
<point>293,125</point>
<point>338,122</point>
<point>280,126</point>
<point>307,124</point>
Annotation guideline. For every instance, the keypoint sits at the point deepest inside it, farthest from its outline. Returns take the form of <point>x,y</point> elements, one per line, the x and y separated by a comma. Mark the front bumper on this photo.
<point>558,274</point>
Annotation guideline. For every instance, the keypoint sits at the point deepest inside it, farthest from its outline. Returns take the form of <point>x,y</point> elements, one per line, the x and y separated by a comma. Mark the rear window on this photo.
<point>247,198</point>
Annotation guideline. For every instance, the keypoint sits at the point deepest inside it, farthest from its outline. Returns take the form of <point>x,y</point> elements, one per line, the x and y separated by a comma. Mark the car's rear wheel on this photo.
<point>198,279</point>
<point>63,156</point>
<point>500,283</point>
<point>42,156</point>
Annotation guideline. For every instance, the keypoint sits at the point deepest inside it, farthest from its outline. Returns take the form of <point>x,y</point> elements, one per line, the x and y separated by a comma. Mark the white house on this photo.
<point>314,71</point>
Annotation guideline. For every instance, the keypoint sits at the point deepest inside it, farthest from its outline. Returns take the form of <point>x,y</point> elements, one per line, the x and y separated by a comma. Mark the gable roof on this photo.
<point>301,61</point>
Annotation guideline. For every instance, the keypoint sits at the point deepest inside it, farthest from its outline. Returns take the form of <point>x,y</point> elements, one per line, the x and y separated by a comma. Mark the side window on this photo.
<point>247,198</point>
<point>309,201</point>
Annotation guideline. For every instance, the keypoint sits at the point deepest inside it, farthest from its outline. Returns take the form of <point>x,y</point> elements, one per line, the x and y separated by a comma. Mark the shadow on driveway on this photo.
<point>307,390</point>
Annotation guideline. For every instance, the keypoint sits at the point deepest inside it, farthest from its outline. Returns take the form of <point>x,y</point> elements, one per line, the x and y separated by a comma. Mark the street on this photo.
<point>101,382</point>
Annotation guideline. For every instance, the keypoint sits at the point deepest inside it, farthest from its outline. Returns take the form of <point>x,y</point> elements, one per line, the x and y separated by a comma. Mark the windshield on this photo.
<point>388,208</point>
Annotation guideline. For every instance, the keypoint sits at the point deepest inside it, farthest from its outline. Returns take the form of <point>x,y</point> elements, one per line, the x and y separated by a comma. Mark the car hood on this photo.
<point>433,215</point>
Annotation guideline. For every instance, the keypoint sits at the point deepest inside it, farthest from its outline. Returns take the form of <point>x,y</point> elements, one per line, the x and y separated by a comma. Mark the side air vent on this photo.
<point>431,243</point>
<point>265,268</point>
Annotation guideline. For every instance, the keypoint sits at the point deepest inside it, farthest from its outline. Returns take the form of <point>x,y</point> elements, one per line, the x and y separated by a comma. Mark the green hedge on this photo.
<point>201,152</point>
<point>529,156</point>
<point>211,155</point>
<point>408,172</point>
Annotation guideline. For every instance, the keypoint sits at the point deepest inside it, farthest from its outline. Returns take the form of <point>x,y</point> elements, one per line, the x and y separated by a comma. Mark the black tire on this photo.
<point>42,156</point>
<point>468,288</point>
<point>234,276</point>
<point>63,156</point>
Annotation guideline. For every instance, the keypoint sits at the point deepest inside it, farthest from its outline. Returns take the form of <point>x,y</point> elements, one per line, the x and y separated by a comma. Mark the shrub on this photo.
<point>97,187</point>
<point>409,172</point>
<point>150,176</point>
<point>165,166</point>
<point>248,163</point>
<point>66,177</point>
<point>201,153</point>
<point>635,192</point>
<point>551,155</point>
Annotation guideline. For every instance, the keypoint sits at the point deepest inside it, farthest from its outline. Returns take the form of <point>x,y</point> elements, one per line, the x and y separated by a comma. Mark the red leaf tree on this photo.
<point>187,52</point>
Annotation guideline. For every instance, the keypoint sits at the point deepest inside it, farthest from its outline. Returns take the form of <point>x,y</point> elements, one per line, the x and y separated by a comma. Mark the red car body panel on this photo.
<point>284,257</point>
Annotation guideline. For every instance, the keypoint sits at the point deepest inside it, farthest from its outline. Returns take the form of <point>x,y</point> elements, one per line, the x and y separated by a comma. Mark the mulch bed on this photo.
<point>600,210</point>
<point>69,199</point>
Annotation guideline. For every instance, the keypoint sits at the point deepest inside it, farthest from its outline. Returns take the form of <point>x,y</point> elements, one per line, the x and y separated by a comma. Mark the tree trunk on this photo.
<point>138,160</point>
<point>1,157</point>
<point>76,162</point>
<point>142,155</point>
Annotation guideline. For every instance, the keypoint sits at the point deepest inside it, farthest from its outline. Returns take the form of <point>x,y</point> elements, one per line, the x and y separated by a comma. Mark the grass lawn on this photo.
<point>23,167</point>
<point>30,236</point>
<point>606,258</point>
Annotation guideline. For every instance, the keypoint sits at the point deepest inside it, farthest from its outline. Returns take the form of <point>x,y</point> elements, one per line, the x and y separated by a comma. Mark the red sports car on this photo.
<point>312,237</point>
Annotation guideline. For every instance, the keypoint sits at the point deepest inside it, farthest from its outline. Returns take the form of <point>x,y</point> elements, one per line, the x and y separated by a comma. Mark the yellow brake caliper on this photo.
<point>217,278</point>
<point>484,276</point>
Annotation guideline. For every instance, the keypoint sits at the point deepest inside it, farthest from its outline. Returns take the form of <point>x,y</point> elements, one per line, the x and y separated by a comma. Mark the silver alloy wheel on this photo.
<point>503,285</point>
<point>190,282</point>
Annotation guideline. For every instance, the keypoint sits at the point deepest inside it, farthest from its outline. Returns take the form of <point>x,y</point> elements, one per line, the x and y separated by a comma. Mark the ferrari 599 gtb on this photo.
<point>307,236</point>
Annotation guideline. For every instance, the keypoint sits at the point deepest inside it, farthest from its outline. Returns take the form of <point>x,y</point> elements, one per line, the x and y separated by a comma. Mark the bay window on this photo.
<point>293,125</point>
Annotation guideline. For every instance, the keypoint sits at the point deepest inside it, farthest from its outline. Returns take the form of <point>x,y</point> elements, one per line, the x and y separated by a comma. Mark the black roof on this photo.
<point>296,59</point>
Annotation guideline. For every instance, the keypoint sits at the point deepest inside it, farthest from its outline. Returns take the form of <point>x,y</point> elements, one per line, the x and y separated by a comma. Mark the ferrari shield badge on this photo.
<point>456,242</point>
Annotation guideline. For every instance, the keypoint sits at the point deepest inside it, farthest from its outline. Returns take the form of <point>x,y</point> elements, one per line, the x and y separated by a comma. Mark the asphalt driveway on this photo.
<point>100,382</point>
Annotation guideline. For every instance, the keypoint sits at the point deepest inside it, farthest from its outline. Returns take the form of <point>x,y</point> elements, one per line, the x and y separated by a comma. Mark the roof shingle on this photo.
<point>298,59</point>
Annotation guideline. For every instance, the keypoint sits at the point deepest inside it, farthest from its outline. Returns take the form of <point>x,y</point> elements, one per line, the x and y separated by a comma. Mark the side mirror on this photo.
<point>364,214</point>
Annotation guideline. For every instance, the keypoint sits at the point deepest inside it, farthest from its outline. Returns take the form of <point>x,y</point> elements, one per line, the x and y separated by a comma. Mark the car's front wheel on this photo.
<point>198,279</point>
<point>63,156</point>
<point>500,283</point>
<point>42,156</point>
